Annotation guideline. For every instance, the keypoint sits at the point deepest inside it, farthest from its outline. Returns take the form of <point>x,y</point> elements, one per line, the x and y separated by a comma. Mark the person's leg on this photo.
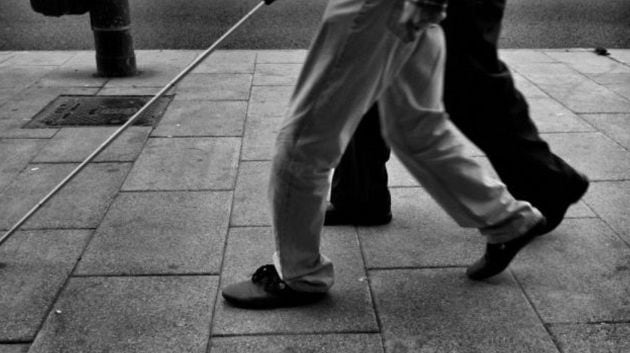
<point>483,102</point>
<point>345,69</point>
<point>359,194</point>
<point>420,134</point>
<point>353,60</point>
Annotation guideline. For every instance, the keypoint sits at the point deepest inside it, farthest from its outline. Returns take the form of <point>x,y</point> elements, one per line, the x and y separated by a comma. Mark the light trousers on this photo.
<point>355,60</point>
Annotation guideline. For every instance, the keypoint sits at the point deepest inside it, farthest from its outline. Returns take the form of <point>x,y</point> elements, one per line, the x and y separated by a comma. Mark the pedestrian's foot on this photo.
<point>265,290</point>
<point>498,256</point>
<point>555,214</point>
<point>337,217</point>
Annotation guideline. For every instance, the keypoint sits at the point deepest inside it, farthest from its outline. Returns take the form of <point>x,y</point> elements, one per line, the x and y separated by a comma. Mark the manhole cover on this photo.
<point>97,111</point>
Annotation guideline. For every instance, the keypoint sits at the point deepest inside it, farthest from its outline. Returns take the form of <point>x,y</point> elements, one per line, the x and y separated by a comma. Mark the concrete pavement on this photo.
<point>131,255</point>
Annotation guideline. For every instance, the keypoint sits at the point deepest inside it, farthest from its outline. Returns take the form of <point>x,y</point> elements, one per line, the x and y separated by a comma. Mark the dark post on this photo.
<point>112,38</point>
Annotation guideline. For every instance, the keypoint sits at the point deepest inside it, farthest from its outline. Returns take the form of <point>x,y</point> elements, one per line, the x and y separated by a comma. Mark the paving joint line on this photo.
<point>536,312</point>
<point>377,316</point>
<point>173,190</point>
<point>598,322</point>
<point>292,333</point>
<point>237,226</point>
<point>227,230</point>
<point>140,275</point>
<point>419,267</point>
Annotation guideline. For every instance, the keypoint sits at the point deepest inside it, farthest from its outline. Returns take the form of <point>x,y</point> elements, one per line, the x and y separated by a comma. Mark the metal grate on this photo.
<point>97,111</point>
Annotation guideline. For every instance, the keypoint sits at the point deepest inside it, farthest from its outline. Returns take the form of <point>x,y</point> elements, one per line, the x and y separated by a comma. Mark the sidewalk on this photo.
<point>130,256</point>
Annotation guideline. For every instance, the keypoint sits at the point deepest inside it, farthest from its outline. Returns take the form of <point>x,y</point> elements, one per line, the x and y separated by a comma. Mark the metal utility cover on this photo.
<point>97,111</point>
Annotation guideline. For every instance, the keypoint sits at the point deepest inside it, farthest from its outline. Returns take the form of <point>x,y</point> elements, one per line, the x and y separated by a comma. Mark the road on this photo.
<point>193,24</point>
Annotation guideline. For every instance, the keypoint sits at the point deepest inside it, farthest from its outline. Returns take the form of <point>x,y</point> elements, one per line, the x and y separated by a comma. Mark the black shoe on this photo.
<point>266,290</point>
<point>336,217</point>
<point>498,256</point>
<point>555,214</point>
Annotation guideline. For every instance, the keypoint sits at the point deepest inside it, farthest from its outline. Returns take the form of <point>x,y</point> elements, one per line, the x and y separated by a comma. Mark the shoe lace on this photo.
<point>268,277</point>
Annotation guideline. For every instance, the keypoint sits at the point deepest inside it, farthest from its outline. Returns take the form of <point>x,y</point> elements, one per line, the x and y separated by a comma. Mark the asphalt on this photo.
<point>290,24</point>
<point>131,255</point>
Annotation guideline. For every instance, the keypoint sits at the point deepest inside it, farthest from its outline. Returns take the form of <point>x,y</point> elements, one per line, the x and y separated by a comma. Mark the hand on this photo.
<point>417,15</point>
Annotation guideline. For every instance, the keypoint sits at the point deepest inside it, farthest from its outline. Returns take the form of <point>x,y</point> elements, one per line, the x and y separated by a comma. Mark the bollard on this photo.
<point>111,23</point>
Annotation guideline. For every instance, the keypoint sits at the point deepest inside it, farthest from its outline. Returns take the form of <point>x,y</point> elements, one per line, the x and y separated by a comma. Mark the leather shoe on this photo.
<point>266,290</point>
<point>337,217</point>
<point>498,256</point>
<point>554,214</point>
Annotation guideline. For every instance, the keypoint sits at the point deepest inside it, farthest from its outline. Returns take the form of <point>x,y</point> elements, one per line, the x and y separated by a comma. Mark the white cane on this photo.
<point>129,122</point>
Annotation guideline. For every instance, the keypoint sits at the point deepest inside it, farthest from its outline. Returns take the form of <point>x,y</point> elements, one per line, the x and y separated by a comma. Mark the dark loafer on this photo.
<point>266,290</point>
<point>554,214</point>
<point>498,256</point>
<point>337,217</point>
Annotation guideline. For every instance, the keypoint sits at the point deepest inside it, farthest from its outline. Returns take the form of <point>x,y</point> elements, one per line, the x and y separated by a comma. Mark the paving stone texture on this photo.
<point>14,348</point>
<point>35,266</point>
<point>130,256</point>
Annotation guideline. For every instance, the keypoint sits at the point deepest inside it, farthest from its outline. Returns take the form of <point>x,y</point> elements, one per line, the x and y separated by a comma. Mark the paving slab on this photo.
<point>276,74</point>
<point>615,126</point>
<point>584,151</point>
<point>155,68</point>
<point>420,235</point>
<point>611,202</point>
<point>148,76</point>
<point>133,314</point>
<point>251,205</point>
<point>527,88</point>
<point>68,75</point>
<point>398,175</point>
<point>185,164</point>
<point>34,266</point>
<point>518,56</point>
<point>622,55</point>
<point>133,91</point>
<point>159,233</point>
<point>215,87</point>
<point>588,62</point>
<point>166,57</point>
<point>439,310</point>
<point>80,204</point>
<point>578,275</point>
<point>38,58</point>
<point>14,156</point>
<point>269,101</point>
<point>551,116</point>
<point>574,90</point>
<point>281,56</point>
<point>75,144</point>
<point>616,82</point>
<point>333,343</point>
<point>592,338</point>
<point>27,103</point>
<point>580,210</point>
<point>260,137</point>
<point>202,118</point>
<point>12,129</point>
<point>14,348</point>
<point>13,76</point>
<point>6,55</point>
<point>228,62</point>
<point>621,88</point>
<point>7,92</point>
<point>348,307</point>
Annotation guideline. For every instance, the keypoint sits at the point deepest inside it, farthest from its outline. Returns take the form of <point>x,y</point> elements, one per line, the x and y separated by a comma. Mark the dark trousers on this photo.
<point>484,104</point>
